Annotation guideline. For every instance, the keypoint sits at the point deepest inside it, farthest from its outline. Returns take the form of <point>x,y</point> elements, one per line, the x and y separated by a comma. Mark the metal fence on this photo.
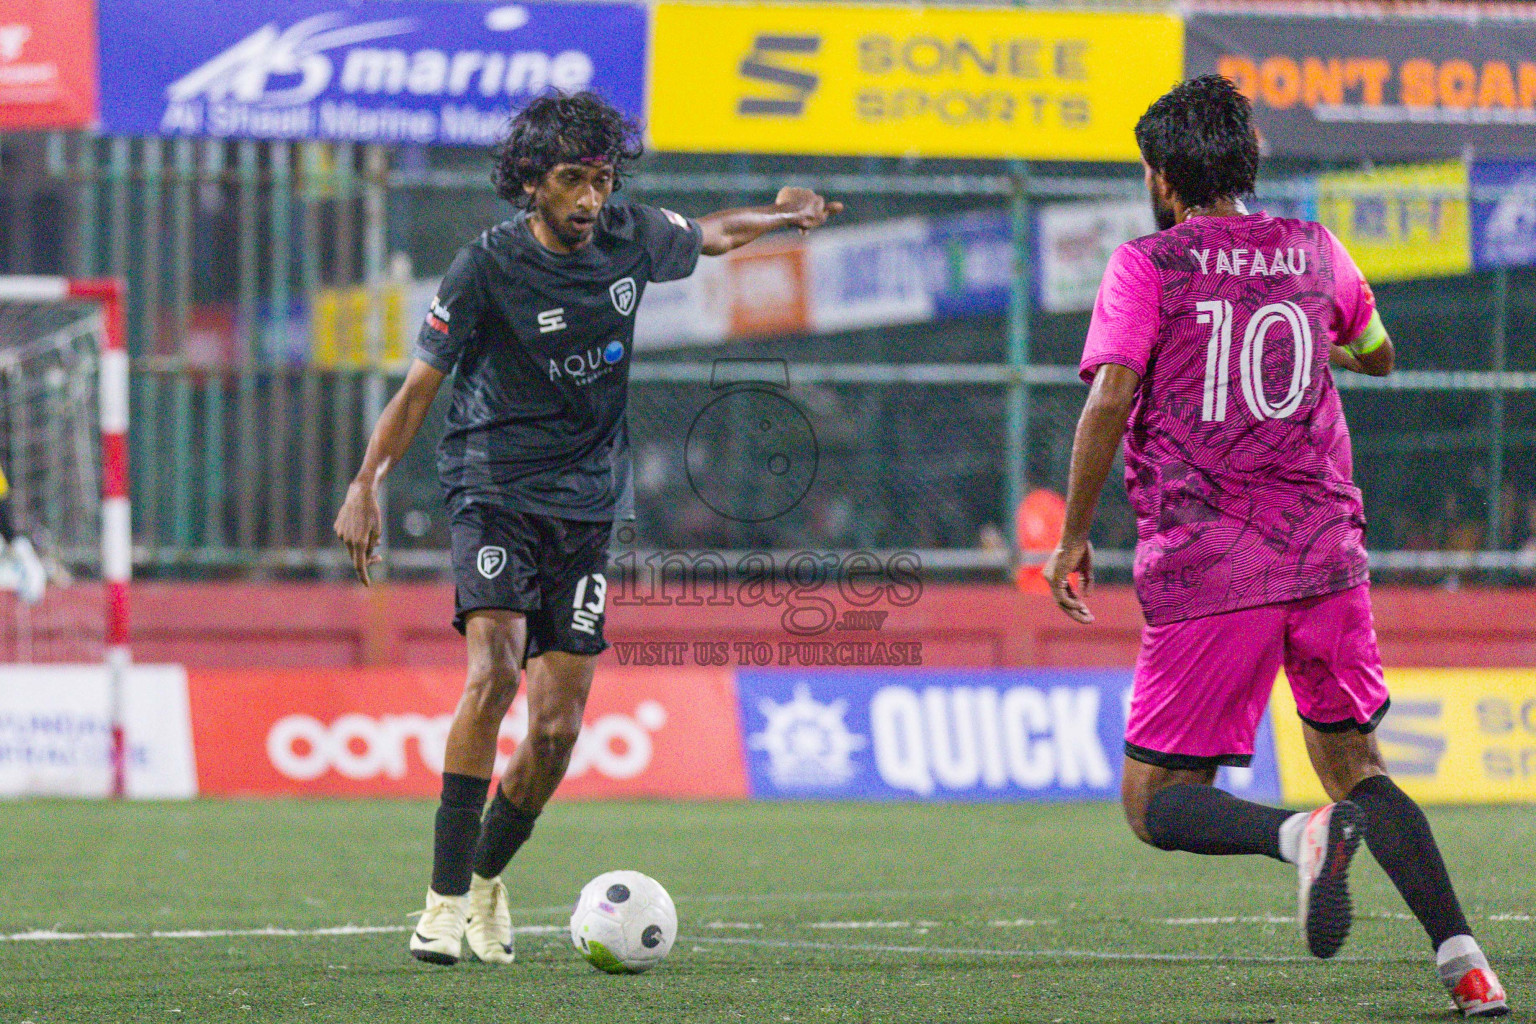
<point>926,436</point>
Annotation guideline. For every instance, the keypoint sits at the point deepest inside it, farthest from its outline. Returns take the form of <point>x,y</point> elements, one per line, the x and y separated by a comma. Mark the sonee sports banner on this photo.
<point>428,72</point>
<point>827,79</point>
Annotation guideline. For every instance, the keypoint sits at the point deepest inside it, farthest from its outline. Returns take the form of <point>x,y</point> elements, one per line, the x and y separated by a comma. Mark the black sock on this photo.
<point>1398,836</point>
<point>1204,819</point>
<point>506,829</point>
<point>456,830</point>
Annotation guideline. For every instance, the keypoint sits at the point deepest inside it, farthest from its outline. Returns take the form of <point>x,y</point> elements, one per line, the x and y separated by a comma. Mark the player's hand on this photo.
<point>1342,357</point>
<point>1058,569</point>
<point>358,525</point>
<point>806,209</point>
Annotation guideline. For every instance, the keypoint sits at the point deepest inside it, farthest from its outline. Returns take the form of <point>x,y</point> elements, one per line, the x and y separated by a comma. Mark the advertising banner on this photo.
<point>382,732</point>
<point>905,271</point>
<point>1503,228</point>
<point>869,276</point>
<point>1380,87</point>
<point>989,735</point>
<point>1462,736</point>
<point>906,81</point>
<point>969,261</point>
<point>429,72</point>
<point>47,65</point>
<point>1400,223</point>
<point>1073,243</point>
<point>55,732</point>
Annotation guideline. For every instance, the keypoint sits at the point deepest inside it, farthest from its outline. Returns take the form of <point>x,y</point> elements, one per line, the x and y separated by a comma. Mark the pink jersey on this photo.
<point>1237,456</point>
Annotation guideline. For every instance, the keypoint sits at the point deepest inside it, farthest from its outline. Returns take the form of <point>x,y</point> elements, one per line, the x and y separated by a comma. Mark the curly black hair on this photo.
<point>561,129</point>
<point>1200,137</point>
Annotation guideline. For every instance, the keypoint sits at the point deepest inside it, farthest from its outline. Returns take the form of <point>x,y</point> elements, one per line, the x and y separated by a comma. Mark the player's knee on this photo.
<point>1136,817</point>
<point>490,687</point>
<point>554,738</point>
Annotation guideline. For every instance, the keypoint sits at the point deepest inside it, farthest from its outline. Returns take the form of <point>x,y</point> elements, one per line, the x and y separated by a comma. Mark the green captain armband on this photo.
<point>1372,338</point>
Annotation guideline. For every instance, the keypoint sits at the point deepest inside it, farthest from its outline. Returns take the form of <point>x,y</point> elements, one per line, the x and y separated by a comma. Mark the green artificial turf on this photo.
<point>789,912</point>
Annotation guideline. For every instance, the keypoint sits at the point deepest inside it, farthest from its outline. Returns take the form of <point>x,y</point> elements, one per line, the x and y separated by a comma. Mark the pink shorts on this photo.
<point>1202,684</point>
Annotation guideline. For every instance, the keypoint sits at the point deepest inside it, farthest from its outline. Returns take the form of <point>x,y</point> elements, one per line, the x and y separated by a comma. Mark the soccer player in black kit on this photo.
<point>537,316</point>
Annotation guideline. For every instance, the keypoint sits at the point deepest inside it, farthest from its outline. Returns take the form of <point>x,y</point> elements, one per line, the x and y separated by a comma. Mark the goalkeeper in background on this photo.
<point>20,568</point>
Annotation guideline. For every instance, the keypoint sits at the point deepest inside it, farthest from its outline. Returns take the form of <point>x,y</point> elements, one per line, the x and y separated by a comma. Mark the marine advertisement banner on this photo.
<point>932,734</point>
<point>429,72</point>
<point>906,81</point>
<point>1377,87</point>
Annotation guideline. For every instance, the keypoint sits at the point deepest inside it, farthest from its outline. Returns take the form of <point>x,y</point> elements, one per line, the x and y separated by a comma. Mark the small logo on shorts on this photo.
<point>490,561</point>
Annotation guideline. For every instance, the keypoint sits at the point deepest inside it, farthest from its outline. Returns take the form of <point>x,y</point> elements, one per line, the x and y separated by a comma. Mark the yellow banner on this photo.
<point>340,324</point>
<point>1453,736</point>
<point>1400,223</point>
<point>906,81</point>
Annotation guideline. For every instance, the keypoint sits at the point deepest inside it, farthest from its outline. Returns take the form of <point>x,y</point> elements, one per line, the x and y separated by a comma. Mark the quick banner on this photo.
<point>974,735</point>
<point>427,72</point>
<point>1377,87</point>
<point>832,79</point>
<point>383,732</point>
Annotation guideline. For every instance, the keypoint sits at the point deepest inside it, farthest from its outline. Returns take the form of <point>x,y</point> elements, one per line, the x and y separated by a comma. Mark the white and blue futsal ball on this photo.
<point>624,922</point>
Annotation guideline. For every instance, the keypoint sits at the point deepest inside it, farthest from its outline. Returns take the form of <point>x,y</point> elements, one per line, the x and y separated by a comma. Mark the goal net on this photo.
<point>64,568</point>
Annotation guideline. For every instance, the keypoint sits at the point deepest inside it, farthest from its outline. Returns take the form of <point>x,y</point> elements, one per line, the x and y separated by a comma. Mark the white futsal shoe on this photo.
<point>1329,840</point>
<point>439,934</point>
<point>490,922</point>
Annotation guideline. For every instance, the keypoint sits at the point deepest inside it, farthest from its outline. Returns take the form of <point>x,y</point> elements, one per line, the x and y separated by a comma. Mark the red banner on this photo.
<point>381,732</point>
<point>47,64</point>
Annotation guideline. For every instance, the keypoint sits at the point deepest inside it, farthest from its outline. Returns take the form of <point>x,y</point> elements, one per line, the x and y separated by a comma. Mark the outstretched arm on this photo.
<point>801,208</point>
<point>1099,430</point>
<point>358,523</point>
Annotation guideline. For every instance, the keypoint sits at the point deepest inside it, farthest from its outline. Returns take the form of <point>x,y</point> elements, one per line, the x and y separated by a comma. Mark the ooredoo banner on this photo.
<point>993,735</point>
<point>870,80</point>
<point>428,72</point>
<point>382,732</point>
<point>1378,87</point>
<point>47,65</point>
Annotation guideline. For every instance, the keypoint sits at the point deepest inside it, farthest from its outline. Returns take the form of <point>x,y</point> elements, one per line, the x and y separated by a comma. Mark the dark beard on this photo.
<point>1162,214</point>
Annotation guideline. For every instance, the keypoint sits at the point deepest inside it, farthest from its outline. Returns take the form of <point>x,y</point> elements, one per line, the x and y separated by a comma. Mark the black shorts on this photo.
<point>549,569</point>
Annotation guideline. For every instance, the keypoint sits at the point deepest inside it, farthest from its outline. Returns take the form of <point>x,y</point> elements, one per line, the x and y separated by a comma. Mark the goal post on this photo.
<point>41,335</point>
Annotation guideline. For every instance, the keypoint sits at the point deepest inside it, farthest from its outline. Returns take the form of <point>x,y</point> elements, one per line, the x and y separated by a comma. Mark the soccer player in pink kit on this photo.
<point>1209,353</point>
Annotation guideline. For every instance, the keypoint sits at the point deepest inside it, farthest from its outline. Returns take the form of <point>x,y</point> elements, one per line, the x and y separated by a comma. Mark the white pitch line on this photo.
<point>234,933</point>
<point>1051,954</point>
<point>872,924</point>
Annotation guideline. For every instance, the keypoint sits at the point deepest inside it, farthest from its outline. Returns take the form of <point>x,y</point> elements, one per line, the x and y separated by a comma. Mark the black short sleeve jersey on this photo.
<point>539,344</point>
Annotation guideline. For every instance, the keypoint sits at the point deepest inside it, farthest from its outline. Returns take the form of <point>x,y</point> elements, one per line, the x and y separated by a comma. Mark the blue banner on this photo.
<point>382,71</point>
<point>1503,228</point>
<point>970,263</point>
<point>950,734</point>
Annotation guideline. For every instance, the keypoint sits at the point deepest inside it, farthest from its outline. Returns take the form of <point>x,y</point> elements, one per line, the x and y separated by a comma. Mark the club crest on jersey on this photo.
<point>622,292</point>
<point>490,561</point>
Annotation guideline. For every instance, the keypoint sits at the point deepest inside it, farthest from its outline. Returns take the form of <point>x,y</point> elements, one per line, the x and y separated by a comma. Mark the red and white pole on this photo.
<point>116,528</point>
